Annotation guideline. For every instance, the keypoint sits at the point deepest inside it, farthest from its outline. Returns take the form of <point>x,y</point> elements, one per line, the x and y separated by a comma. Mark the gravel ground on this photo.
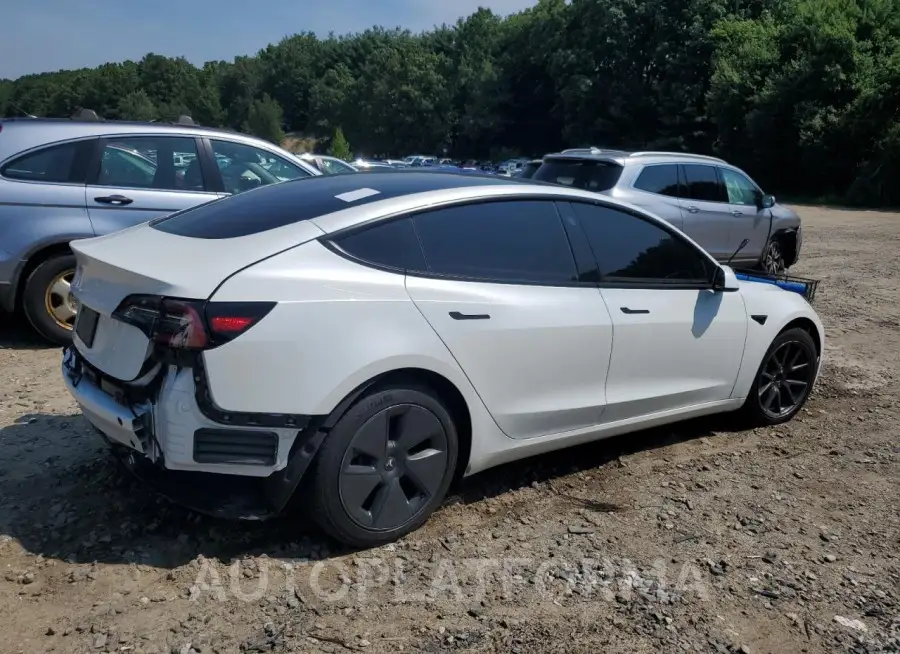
<point>698,537</point>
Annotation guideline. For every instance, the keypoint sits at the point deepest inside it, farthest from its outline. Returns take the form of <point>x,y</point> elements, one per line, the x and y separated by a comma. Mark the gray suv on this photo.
<point>65,179</point>
<point>713,202</point>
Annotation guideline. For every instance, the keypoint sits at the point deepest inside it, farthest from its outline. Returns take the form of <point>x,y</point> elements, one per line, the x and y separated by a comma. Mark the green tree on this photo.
<point>137,105</point>
<point>265,118</point>
<point>339,146</point>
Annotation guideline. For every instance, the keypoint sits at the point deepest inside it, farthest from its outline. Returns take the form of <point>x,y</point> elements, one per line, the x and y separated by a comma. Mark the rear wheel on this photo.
<point>784,379</point>
<point>385,467</point>
<point>48,301</point>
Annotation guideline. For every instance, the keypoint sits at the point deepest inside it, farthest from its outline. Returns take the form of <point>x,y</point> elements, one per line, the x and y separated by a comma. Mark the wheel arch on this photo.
<point>30,263</point>
<point>443,388</point>
<point>809,327</point>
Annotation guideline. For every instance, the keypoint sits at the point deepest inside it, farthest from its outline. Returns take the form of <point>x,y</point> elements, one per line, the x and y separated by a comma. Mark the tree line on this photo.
<point>804,94</point>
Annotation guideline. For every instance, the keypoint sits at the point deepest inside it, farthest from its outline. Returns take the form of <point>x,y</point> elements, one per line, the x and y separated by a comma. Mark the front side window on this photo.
<point>740,189</point>
<point>589,175</point>
<point>167,163</point>
<point>515,241</point>
<point>244,167</point>
<point>703,183</point>
<point>661,179</point>
<point>54,164</point>
<point>630,248</point>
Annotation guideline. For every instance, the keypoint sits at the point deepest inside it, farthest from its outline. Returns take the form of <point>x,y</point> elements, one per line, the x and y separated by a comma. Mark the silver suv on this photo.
<point>65,179</point>
<point>715,203</point>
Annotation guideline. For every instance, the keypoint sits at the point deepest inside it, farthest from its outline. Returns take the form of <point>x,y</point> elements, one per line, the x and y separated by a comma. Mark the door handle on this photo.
<point>118,200</point>
<point>633,311</point>
<point>456,315</point>
<point>692,209</point>
<point>737,213</point>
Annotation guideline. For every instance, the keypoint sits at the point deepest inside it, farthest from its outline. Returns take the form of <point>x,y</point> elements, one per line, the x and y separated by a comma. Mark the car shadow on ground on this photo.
<point>17,334</point>
<point>63,496</point>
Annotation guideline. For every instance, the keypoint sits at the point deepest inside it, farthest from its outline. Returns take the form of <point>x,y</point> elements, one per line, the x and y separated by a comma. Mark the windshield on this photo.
<point>584,174</point>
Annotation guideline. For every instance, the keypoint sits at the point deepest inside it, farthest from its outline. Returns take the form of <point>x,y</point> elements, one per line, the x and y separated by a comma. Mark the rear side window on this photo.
<point>703,184</point>
<point>169,163</point>
<point>391,245</point>
<point>662,180</point>
<point>515,241</point>
<point>629,248</point>
<point>589,175</point>
<point>64,163</point>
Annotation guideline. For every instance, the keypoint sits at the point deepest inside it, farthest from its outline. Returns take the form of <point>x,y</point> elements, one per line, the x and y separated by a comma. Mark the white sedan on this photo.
<point>380,336</point>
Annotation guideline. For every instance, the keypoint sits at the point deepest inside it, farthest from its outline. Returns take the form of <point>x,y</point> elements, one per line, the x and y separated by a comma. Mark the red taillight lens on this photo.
<point>227,320</point>
<point>230,324</point>
<point>190,324</point>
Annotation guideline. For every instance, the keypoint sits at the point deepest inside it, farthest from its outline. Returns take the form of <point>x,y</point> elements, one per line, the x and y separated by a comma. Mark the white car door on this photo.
<point>676,342</point>
<point>501,292</point>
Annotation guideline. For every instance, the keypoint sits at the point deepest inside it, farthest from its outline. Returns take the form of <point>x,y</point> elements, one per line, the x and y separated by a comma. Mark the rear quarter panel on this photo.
<point>337,325</point>
<point>33,217</point>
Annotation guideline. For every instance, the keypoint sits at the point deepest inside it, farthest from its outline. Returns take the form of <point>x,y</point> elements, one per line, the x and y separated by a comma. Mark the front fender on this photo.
<point>770,310</point>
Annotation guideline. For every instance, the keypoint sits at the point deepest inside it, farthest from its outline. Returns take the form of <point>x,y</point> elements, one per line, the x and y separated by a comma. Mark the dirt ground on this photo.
<point>694,538</point>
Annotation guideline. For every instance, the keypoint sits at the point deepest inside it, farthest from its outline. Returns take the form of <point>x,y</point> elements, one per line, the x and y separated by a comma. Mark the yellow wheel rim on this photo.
<point>58,300</point>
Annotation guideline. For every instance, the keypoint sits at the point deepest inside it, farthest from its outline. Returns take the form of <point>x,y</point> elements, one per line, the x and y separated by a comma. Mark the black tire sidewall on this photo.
<point>328,510</point>
<point>33,298</point>
<point>753,407</point>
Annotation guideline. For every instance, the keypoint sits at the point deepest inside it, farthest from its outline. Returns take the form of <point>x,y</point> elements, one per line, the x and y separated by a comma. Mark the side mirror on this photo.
<point>724,280</point>
<point>766,201</point>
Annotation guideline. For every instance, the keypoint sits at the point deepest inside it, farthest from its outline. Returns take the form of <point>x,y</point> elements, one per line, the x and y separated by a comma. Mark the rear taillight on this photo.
<point>190,324</point>
<point>228,320</point>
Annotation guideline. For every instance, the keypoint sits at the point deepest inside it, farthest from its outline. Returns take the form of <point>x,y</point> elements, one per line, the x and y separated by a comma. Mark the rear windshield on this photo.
<point>276,205</point>
<point>583,174</point>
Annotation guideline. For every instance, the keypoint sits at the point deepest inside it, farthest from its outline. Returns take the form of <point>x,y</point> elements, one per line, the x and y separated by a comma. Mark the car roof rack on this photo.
<point>85,114</point>
<point>687,155</point>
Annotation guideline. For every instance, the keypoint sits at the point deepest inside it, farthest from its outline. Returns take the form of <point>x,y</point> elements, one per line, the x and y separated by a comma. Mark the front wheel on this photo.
<point>784,379</point>
<point>385,467</point>
<point>48,301</point>
<point>773,258</point>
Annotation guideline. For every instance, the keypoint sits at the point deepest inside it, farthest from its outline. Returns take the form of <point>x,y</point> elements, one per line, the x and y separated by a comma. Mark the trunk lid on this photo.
<point>146,261</point>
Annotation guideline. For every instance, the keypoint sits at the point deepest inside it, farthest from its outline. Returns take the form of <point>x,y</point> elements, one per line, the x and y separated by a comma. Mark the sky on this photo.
<point>49,35</point>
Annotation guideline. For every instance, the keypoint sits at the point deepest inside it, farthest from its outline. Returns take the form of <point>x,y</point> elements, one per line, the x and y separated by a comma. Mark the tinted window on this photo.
<point>589,175</point>
<point>703,184</point>
<point>659,179</point>
<point>393,244</point>
<point>740,189</point>
<point>498,241</point>
<point>245,167</point>
<point>52,164</point>
<point>167,163</point>
<point>628,247</point>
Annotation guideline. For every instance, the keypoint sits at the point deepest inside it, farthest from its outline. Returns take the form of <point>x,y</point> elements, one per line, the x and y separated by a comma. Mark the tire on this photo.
<point>45,307</point>
<point>773,257</point>
<point>758,408</point>
<point>380,439</point>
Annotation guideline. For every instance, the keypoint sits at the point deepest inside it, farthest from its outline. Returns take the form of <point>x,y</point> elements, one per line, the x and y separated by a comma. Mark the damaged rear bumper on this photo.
<point>167,441</point>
